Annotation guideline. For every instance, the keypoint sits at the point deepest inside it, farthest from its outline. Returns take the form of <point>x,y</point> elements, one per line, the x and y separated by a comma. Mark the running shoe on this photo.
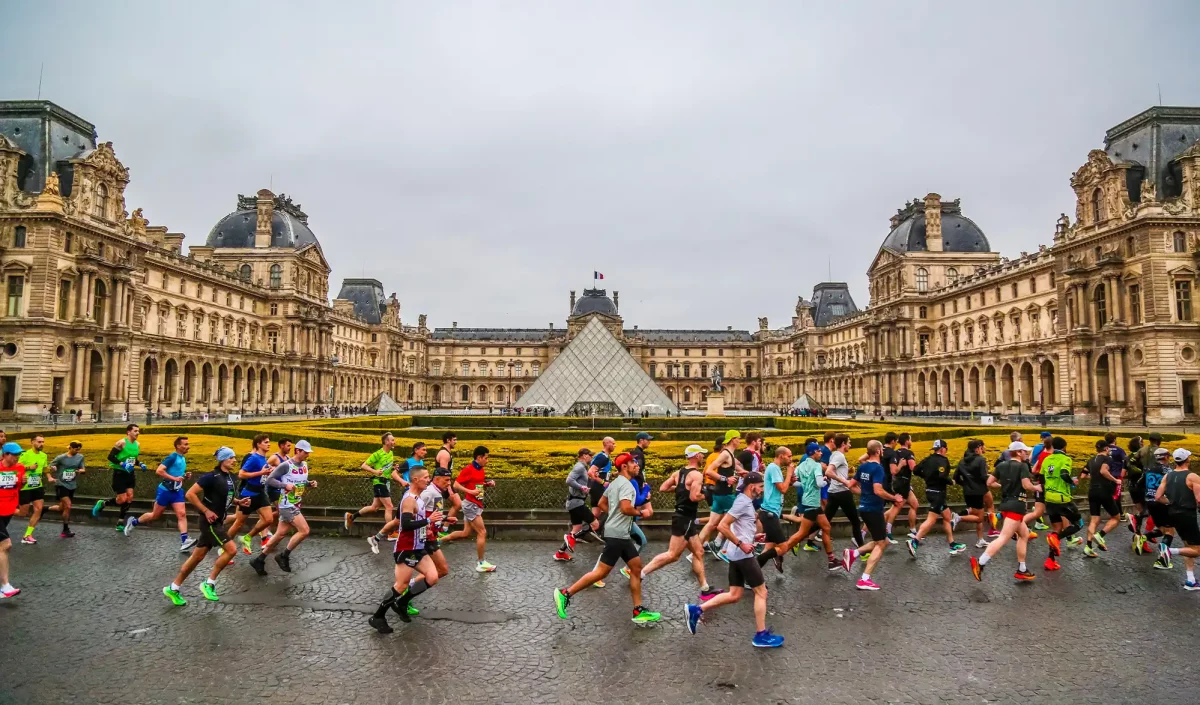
<point>1041,525</point>
<point>189,544</point>
<point>7,592</point>
<point>992,533</point>
<point>866,585</point>
<point>29,540</point>
<point>412,611</point>
<point>767,640</point>
<point>625,572</point>
<point>808,546</point>
<point>1032,534</point>
<point>120,525</point>
<point>778,561</point>
<point>981,543</point>
<point>1024,575</point>
<point>912,533</point>
<point>394,536</point>
<point>265,537</point>
<point>562,556</point>
<point>1090,552</point>
<point>1074,541</point>
<point>892,540</point>
<point>599,584</point>
<point>97,507</point>
<point>864,557</point>
<point>484,567</point>
<point>442,535</point>
<point>174,596</point>
<point>1164,558</point>
<point>284,561</point>
<point>1132,528</point>
<point>848,556</point>
<point>130,522</point>
<point>209,590</point>
<point>1100,542</point>
<point>1191,585</point>
<point>957,548</point>
<point>1139,544</point>
<point>247,544</point>
<point>67,534</point>
<point>561,600</point>
<point>570,541</point>
<point>834,564</point>
<point>692,614</point>
<point>259,564</point>
<point>955,517</point>
<point>1051,564</point>
<point>645,616</point>
<point>373,543</point>
<point>721,555</point>
<point>1160,564</point>
<point>912,547</point>
<point>706,595</point>
<point>348,520</point>
<point>1055,546</point>
<point>976,568</point>
<point>380,625</point>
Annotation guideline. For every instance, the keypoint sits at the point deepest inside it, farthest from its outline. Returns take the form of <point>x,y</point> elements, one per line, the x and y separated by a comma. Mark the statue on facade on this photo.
<point>716,379</point>
<point>52,188</point>
<point>1148,194</point>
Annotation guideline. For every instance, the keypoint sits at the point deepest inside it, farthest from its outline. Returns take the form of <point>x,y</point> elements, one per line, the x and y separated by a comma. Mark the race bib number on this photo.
<point>296,494</point>
<point>176,485</point>
<point>33,481</point>
<point>8,480</point>
<point>68,475</point>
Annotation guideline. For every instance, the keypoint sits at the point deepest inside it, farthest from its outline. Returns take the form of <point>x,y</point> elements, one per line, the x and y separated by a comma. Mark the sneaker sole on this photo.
<point>867,587</point>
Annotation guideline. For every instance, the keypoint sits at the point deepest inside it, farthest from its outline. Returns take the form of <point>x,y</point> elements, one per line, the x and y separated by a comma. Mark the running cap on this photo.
<point>753,478</point>
<point>442,472</point>
<point>225,453</point>
<point>732,434</point>
<point>1156,437</point>
<point>1046,434</point>
<point>10,447</point>
<point>643,436</point>
<point>582,452</point>
<point>811,448</point>
<point>1016,446</point>
<point>1180,454</point>
<point>693,450</point>
<point>1160,451</point>
<point>939,444</point>
<point>304,446</point>
<point>622,459</point>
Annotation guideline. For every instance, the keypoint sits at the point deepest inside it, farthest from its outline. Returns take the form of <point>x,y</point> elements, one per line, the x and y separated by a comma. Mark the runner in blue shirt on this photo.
<point>870,477</point>
<point>172,471</point>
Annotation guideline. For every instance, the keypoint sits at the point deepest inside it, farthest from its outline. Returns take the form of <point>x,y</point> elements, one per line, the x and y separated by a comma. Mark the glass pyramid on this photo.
<point>595,374</point>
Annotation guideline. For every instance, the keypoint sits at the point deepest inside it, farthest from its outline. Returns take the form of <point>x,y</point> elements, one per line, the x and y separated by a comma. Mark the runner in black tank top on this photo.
<point>1180,488</point>
<point>688,485</point>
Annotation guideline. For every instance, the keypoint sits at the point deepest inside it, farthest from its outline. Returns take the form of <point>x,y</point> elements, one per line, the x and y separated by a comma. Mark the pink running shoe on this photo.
<point>866,585</point>
<point>847,559</point>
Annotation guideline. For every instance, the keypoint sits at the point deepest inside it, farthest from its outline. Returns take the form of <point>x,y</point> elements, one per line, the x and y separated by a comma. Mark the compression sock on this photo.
<point>766,556</point>
<point>1072,529</point>
<point>28,531</point>
<point>381,611</point>
<point>111,502</point>
<point>1153,534</point>
<point>983,560</point>
<point>285,552</point>
<point>1103,533</point>
<point>1089,543</point>
<point>125,509</point>
<point>65,527</point>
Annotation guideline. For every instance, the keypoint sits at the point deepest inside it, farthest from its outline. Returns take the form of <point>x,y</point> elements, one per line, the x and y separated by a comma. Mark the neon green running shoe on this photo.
<point>246,543</point>
<point>174,596</point>
<point>644,616</point>
<point>808,546</point>
<point>561,600</point>
<point>209,590</point>
<point>1090,552</point>
<point>1040,525</point>
<point>413,610</point>
<point>1100,542</point>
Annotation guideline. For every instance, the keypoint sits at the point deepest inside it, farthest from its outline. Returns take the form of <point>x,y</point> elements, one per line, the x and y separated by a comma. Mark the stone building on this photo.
<point>104,311</point>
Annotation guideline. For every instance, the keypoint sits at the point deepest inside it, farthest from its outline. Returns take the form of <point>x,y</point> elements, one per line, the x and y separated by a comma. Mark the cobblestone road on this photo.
<point>91,625</point>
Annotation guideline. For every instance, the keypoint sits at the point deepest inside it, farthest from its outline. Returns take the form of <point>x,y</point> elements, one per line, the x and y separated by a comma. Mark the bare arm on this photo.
<point>1162,487</point>
<point>880,492</point>
<point>628,509</point>
<point>669,483</point>
<point>464,490</point>
<point>370,470</point>
<point>695,487</point>
<point>725,528</point>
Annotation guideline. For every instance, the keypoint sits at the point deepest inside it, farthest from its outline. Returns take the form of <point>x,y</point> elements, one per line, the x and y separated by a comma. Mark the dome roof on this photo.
<point>289,226</point>
<point>959,233</point>
<point>594,301</point>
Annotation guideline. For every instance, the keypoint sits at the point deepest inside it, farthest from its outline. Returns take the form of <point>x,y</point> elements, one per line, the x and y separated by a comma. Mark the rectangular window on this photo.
<point>1014,290</point>
<point>374,337</point>
<point>183,286</point>
<point>704,352</point>
<point>68,240</point>
<point>273,341</point>
<point>166,281</point>
<point>242,302</point>
<point>19,236</point>
<point>1183,300</point>
<point>1135,304</point>
<point>924,343</point>
<point>274,309</point>
<point>1189,397</point>
<point>197,323</point>
<point>64,298</point>
<point>16,292</point>
<point>212,330</point>
<point>1033,285</point>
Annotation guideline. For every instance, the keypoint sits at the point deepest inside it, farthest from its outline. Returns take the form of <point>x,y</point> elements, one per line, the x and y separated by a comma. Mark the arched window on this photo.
<point>1097,206</point>
<point>276,276</point>
<point>100,207</point>
<point>922,279</point>
<point>951,276</point>
<point>244,272</point>
<point>1180,242</point>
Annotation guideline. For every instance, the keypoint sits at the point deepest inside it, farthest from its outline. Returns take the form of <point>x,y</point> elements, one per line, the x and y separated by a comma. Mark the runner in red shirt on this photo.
<point>471,483</point>
<point>12,479</point>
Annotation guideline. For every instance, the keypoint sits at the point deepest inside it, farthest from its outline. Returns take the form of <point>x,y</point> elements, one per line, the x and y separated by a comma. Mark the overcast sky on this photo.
<point>711,158</point>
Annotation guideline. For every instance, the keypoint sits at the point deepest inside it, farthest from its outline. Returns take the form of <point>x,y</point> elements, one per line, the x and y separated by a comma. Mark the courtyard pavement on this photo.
<point>91,626</point>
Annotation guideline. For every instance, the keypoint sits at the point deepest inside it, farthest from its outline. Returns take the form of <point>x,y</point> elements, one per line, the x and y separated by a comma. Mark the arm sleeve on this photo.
<point>112,456</point>
<point>273,480</point>
<point>409,522</point>
<point>577,480</point>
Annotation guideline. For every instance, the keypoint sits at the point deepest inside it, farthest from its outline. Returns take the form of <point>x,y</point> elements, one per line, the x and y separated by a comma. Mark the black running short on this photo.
<point>973,501</point>
<point>902,486</point>
<point>212,535</point>
<point>771,526</point>
<point>936,500</point>
<point>595,492</point>
<point>432,546</point>
<point>1107,504</point>
<point>876,525</point>
<point>60,492</point>
<point>618,549</point>
<point>745,573</point>
<point>1160,513</point>
<point>684,526</point>
<point>380,489</point>
<point>1186,528</point>
<point>123,481</point>
<point>581,515</point>
<point>812,514</point>
<point>409,558</point>
<point>27,496</point>
<point>4,527</point>
<point>257,502</point>
<point>1059,512</point>
<point>273,494</point>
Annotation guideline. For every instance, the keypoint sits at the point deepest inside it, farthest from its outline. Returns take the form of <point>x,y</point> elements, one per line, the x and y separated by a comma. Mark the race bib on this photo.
<point>8,480</point>
<point>176,485</point>
<point>33,481</point>
<point>296,494</point>
<point>68,475</point>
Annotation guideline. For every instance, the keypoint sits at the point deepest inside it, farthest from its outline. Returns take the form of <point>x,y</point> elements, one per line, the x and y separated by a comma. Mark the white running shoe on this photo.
<point>981,543</point>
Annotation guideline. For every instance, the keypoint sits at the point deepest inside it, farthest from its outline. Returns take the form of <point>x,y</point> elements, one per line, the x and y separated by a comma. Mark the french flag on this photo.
<point>597,275</point>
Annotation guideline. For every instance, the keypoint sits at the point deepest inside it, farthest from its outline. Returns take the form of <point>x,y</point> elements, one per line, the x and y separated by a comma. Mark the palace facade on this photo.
<point>105,312</point>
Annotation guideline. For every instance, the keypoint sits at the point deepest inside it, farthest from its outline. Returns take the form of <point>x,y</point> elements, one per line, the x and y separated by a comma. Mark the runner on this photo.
<point>619,501</point>
<point>598,474</point>
<point>643,489</point>
<point>827,448</point>
<point>1116,467</point>
<point>434,498</point>
<point>264,532</point>
<point>688,486</point>
<point>744,569</point>
<point>471,482</point>
<point>870,476</point>
<point>1137,493</point>
<point>723,472</point>
<point>254,470</point>
<point>1101,489</point>
<point>211,495</point>
<point>379,466</point>
<point>1158,511</point>
<point>410,553</point>
<point>1181,489</point>
<point>906,462</point>
<point>582,521</point>
<point>891,466</point>
<point>935,470</point>
<point>750,457</point>
<point>1040,452</point>
<point>841,496</point>
<point>291,477</point>
<point>12,478</point>
<point>33,494</point>
<point>1058,488</point>
<point>122,460</point>
<point>775,484</point>
<point>399,474</point>
<point>1144,458</point>
<point>173,471</point>
<point>1014,479</point>
<point>971,475</point>
<point>64,470</point>
<point>810,480</point>
<point>445,455</point>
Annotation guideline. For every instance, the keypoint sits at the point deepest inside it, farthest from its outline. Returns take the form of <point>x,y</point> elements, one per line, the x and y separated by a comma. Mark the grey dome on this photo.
<point>594,301</point>
<point>959,233</point>
<point>289,226</point>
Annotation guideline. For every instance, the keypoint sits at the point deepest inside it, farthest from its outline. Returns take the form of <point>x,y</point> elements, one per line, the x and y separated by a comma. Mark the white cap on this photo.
<point>694,449</point>
<point>304,446</point>
<point>1161,451</point>
<point>1017,445</point>
<point>1181,454</point>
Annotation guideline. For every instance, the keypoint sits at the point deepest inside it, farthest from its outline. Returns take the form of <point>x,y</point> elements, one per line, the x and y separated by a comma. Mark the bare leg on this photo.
<point>760,607</point>
<point>672,554</point>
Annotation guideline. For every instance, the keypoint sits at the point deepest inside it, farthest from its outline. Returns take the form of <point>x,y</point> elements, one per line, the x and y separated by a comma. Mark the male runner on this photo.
<point>291,477</point>
<point>64,471</point>
<point>379,466</point>
<point>210,495</point>
<point>1103,486</point>
<point>619,501</point>
<point>905,463</point>
<point>935,470</point>
<point>870,476</point>
<point>1014,479</point>
<point>688,486</point>
<point>1157,509</point>
<point>173,471</point>
<point>810,479</point>
<point>776,481</point>
<point>410,553</point>
<point>972,474</point>
<point>1116,467</point>
<point>827,448</point>
<point>471,482</point>
<point>738,527</point>
<point>122,460</point>
<point>891,466</point>
<point>445,455</point>
<point>582,521</point>
<point>1058,489</point>
<point>1181,488</point>
<point>400,473</point>
<point>598,474</point>
<point>435,497</point>
<point>723,472</point>
<point>262,529</point>
<point>33,494</point>
<point>841,496</point>
<point>642,442</point>
<point>254,469</point>
<point>12,478</point>
<point>643,490</point>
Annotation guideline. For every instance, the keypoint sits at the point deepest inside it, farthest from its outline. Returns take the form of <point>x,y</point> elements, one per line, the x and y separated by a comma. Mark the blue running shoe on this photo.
<point>693,613</point>
<point>97,507</point>
<point>767,640</point>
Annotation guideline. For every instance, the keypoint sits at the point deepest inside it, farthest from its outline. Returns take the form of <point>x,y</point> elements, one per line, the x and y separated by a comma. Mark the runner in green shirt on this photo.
<point>122,460</point>
<point>33,493</point>
<point>378,466</point>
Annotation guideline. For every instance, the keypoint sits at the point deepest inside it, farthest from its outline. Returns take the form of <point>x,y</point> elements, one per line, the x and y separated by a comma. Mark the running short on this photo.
<point>1059,512</point>
<point>876,525</point>
<point>60,492</point>
<point>684,526</point>
<point>471,510</point>
<point>1160,513</point>
<point>164,497</point>
<point>973,501</point>
<point>812,513</point>
<point>257,502</point>
<point>123,481</point>
<point>902,487</point>
<point>1186,528</point>
<point>581,515</point>
<point>212,535</point>
<point>595,492</point>
<point>722,503</point>
<point>273,494</point>
<point>614,549</point>
<point>1015,516</point>
<point>1039,498</point>
<point>4,528</point>
<point>34,495</point>
<point>409,558</point>
<point>288,514</point>
<point>936,500</point>
<point>771,526</point>
<point>380,490</point>
<point>745,573</point>
<point>432,546</point>
<point>1108,504</point>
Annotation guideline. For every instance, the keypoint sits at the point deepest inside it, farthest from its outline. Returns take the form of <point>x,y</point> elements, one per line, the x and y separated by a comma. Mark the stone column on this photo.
<point>77,368</point>
<point>1117,366</point>
<point>1110,296</point>
<point>87,371</point>
<point>1037,388</point>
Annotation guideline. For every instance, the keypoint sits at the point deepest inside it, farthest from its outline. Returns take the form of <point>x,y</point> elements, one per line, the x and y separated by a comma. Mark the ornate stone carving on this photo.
<point>52,188</point>
<point>762,324</point>
<point>136,225</point>
<point>1148,193</point>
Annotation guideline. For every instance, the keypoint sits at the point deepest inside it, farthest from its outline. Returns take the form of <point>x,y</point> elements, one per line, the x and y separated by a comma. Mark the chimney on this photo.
<point>265,206</point>
<point>453,324</point>
<point>933,222</point>
<point>572,309</point>
<point>617,300</point>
